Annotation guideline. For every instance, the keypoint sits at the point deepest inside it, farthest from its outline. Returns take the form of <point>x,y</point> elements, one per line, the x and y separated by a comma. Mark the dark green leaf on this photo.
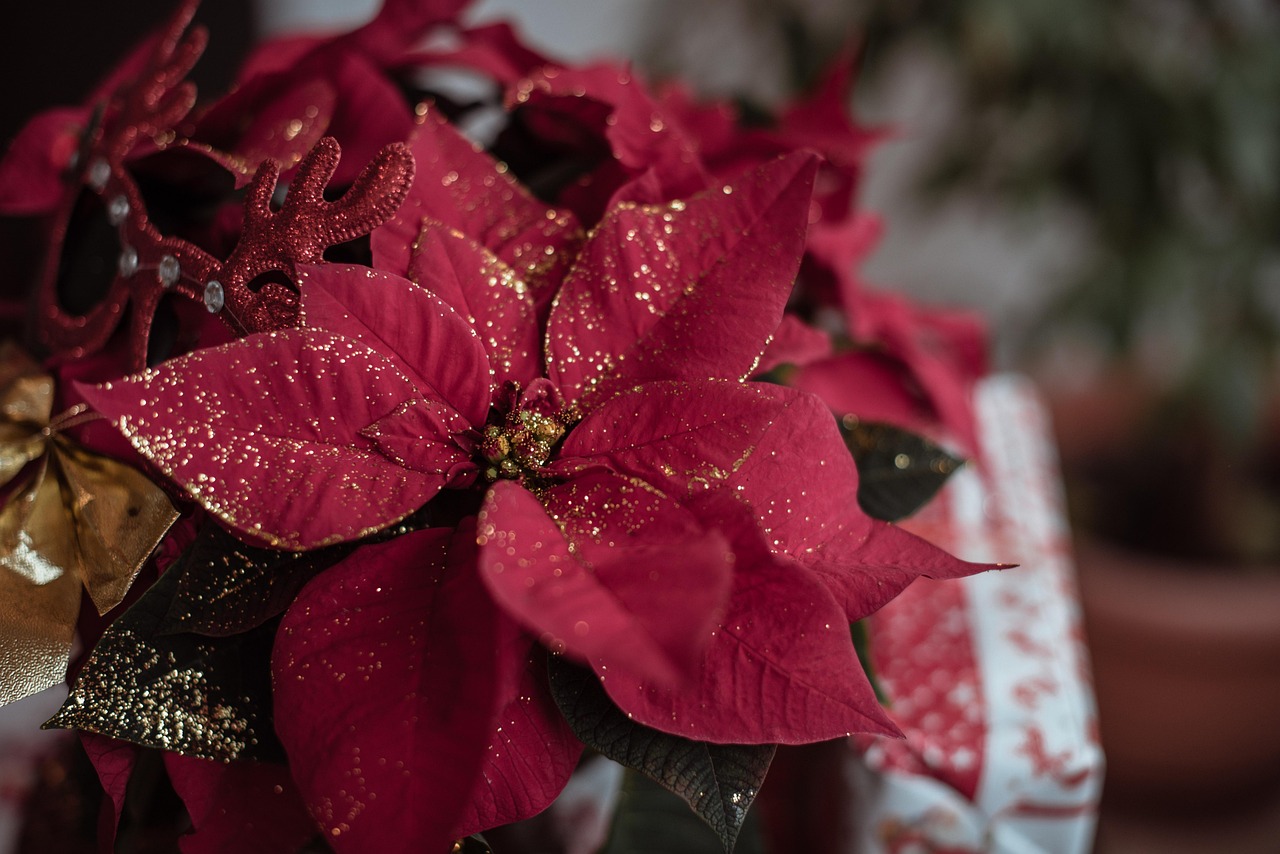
<point>862,646</point>
<point>228,588</point>
<point>898,471</point>
<point>718,781</point>
<point>194,695</point>
<point>472,845</point>
<point>651,820</point>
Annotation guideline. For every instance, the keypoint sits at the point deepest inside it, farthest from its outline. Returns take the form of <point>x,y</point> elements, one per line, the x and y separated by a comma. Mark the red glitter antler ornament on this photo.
<point>81,302</point>
<point>106,259</point>
<point>161,96</point>
<point>305,225</point>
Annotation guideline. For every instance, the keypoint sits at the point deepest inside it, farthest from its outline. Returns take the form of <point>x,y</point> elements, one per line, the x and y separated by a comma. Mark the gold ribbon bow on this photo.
<point>73,519</point>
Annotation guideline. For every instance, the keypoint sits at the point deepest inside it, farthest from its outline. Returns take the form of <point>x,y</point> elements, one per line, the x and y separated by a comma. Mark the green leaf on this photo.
<point>718,781</point>
<point>651,820</point>
<point>227,588</point>
<point>194,695</point>
<point>862,646</point>
<point>898,471</point>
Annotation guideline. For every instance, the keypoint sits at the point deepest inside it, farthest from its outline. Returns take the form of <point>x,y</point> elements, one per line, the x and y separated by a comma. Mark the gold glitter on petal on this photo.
<point>194,695</point>
<point>131,685</point>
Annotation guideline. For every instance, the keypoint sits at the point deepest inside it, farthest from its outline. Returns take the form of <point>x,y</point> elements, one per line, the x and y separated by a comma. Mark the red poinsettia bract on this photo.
<point>602,482</point>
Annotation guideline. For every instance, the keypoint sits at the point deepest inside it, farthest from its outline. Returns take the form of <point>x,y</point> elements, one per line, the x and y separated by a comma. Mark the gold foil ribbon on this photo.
<point>70,520</point>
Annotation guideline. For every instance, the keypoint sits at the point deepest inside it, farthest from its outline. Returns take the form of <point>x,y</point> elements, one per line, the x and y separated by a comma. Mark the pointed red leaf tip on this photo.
<point>464,189</point>
<point>422,335</point>
<point>781,668</point>
<point>653,159</point>
<point>266,434</point>
<point>779,451</point>
<point>489,294</point>
<point>113,760</point>
<point>688,290</point>
<point>532,751</point>
<point>246,807</point>
<point>822,120</point>
<point>495,50</point>
<point>609,572</point>
<point>401,639</point>
<point>802,485</point>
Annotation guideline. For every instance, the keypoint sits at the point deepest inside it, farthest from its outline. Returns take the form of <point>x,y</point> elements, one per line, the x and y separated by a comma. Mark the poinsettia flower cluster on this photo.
<point>526,409</point>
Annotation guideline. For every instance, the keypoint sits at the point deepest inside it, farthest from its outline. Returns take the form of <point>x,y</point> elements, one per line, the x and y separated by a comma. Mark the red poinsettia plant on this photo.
<point>495,428</point>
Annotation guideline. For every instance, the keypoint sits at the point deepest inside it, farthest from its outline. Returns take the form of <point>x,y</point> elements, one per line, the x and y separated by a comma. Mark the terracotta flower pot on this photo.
<point>1187,671</point>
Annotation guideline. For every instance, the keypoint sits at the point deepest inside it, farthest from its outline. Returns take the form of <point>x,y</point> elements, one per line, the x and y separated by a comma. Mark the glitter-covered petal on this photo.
<point>265,434</point>
<point>781,668</point>
<point>387,672</point>
<point>420,334</point>
<point>682,437</point>
<point>247,807</point>
<point>692,289</point>
<point>802,486</point>
<point>490,294</point>
<point>468,191</point>
<point>532,751</point>
<point>609,571</point>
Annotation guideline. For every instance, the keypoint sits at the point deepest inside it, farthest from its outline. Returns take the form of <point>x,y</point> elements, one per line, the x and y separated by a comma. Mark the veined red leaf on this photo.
<point>418,332</point>
<point>387,672</point>
<point>682,437</point>
<point>608,571</point>
<point>487,293</point>
<point>532,751</point>
<point>114,761</point>
<point>246,807</point>
<point>781,668</point>
<point>691,289</point>
<point>401,437</point>
<point>265,433</point>
<point>801,483</point>
<point>465,189</point>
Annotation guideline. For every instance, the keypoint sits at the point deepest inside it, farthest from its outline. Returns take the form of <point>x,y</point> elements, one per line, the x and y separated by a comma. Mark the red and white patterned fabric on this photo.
<point>987,676</point>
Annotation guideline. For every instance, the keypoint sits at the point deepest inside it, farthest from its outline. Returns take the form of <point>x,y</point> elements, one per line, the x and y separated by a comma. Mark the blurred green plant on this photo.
<point>1157,121</point>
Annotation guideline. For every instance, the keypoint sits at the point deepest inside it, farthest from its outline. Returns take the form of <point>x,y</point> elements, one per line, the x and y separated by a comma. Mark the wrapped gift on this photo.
<point>987,677</point>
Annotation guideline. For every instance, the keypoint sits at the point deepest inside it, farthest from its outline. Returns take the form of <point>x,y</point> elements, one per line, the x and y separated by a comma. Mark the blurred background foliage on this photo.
<point>1154,123</point>
<point>1158,120</point>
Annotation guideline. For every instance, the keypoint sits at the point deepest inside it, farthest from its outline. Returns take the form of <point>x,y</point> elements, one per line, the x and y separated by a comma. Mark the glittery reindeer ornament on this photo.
<point>108,263</point>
